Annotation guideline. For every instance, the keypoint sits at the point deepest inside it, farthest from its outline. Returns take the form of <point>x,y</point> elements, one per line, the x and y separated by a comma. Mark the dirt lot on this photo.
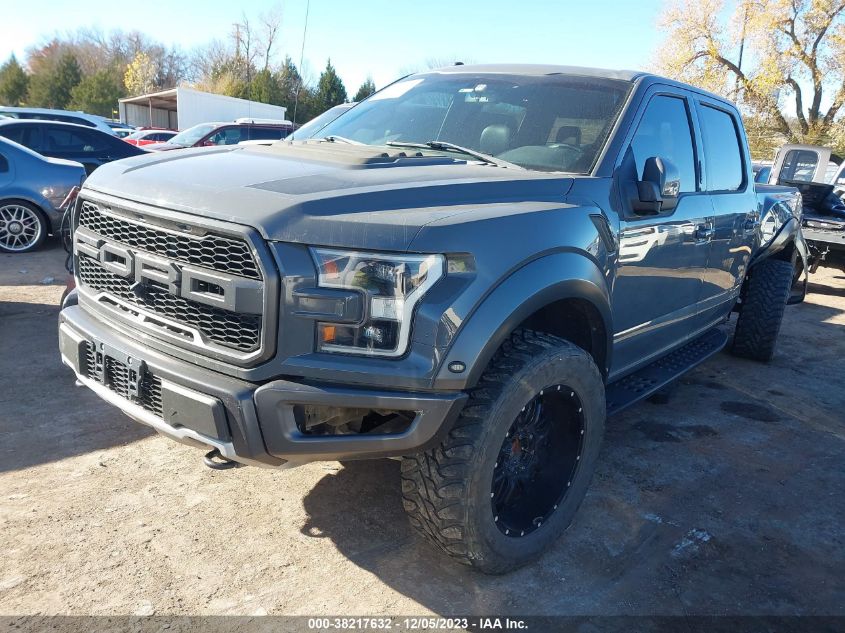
<point>726,500</point>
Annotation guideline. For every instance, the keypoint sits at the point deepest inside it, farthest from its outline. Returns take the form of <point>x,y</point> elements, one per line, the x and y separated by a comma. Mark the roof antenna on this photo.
<point>301,58</point>
<point>459,63</point>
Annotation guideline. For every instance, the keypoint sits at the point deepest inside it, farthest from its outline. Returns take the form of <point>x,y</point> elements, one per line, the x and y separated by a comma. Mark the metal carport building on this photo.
<point>181,108</point>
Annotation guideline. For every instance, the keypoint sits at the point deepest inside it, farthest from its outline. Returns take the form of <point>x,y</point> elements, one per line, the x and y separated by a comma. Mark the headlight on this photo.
<point>392,286</point>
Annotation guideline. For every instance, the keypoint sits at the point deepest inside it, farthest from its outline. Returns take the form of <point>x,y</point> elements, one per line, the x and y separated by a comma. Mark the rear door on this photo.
<point>730,187</point>
<point>662,258</point>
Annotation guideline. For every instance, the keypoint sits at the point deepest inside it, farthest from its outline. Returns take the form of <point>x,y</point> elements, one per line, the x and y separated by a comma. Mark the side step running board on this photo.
<point>644,382</point>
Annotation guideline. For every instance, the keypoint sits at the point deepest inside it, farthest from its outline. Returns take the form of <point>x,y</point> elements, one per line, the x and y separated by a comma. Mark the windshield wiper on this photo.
<point>340,139</point>
<point>451,147</point>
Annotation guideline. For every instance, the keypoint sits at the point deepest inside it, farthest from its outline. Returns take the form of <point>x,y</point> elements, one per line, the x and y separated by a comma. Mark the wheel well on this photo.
<point>576,320</point>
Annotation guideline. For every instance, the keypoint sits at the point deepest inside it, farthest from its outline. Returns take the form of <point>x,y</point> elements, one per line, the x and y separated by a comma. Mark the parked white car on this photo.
<point>65,116</point>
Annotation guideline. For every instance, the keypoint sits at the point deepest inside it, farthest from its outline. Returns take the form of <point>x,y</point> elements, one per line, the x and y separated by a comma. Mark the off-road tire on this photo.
<point>761,310</point>
<point>447,490</point>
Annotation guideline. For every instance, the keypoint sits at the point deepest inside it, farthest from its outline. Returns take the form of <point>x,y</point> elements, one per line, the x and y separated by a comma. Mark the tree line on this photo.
<point>90,70</point>
<point>772,57</point>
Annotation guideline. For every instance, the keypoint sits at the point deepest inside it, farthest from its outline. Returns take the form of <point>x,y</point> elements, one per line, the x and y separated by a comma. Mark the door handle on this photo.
<point>704,232</point>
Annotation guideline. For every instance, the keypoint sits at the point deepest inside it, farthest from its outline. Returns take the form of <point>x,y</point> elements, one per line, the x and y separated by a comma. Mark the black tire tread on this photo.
<point>762,310</point>
<point>434,482</point>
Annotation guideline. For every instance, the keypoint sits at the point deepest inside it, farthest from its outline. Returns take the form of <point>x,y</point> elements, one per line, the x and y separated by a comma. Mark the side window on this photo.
<point>799,165</point>
<point>226,136</point>
<point>58,139</point>
<point>17,133</point>
<point>266,133</point>
<point>722,149</point>
<point>665,131</point>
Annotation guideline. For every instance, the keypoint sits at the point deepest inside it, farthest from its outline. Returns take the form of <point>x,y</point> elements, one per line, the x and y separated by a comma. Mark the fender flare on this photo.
<point>789,238</point>
<point>541,282</point>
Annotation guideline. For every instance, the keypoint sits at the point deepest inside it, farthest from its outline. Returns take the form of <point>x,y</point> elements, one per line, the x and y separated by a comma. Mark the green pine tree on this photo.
<point>330,90</point>
<point>98,93</point>
<point>367,88</point>
<point>14,83</point>
<point>265,88</point>
<point>51,87</point>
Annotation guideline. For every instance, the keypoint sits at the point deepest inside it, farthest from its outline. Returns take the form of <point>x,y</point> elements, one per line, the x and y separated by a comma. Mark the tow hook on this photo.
<point>213,459</point>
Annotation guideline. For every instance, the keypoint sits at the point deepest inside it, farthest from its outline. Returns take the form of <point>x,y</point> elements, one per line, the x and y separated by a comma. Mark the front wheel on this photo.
<point>510,475</point>
<point>22,227</point>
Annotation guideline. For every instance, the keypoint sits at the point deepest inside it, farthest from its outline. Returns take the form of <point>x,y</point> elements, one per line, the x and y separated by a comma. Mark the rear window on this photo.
<point>722,150</point>
<point>799,165</point>
<point>267,133</point>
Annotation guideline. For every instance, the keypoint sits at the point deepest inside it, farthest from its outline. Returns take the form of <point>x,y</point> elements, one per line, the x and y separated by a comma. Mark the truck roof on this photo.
<point>541,69</point>
<point>583,71</point>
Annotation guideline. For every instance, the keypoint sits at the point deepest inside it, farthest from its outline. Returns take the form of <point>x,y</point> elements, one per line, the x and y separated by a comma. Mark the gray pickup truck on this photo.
<point>470,271</point>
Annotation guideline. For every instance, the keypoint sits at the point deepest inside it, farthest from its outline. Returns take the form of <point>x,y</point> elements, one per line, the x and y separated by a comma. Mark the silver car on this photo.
<point>32,188</point>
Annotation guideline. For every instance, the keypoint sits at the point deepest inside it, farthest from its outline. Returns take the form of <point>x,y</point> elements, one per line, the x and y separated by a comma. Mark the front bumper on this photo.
<point>246,422</point>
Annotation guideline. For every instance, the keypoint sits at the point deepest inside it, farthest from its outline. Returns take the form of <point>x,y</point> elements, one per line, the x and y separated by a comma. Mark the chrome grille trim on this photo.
<point>244,337</point>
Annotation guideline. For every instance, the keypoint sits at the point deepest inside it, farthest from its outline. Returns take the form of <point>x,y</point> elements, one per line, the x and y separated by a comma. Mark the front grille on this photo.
<point>179,310</point>
<point>230,329</point>
<point>116,378</point>
<point>210,251</point>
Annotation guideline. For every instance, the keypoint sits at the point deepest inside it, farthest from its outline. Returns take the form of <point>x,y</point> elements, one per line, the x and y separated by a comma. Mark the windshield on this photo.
<point>308,130</point>
<point>547,123</point>
<point>190,136</point>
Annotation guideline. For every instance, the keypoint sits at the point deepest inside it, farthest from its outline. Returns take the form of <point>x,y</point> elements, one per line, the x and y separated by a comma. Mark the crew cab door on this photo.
<point>662,257</point>
<point>730,187</point>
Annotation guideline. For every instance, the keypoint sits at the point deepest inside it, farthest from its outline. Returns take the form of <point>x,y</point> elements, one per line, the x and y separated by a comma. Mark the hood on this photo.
<point>323,193</point>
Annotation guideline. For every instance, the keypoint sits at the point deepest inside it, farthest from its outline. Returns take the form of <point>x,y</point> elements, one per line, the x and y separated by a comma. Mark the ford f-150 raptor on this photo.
<point>469,271</point>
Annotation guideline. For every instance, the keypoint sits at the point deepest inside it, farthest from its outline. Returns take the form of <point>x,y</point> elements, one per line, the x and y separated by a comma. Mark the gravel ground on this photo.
<point>726,500</point>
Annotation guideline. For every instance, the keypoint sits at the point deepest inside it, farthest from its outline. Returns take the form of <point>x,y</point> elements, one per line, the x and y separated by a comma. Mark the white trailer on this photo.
<point>181,108</point>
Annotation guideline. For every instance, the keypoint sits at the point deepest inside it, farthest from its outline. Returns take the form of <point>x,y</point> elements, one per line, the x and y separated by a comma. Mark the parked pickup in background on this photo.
<point>468,270</point>
<point>819,175</point>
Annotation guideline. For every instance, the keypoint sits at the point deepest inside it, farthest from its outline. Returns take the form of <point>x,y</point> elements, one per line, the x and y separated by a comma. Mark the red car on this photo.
<point>147,137</point>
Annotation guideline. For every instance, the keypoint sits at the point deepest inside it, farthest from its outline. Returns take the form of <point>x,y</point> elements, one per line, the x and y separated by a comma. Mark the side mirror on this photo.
<point>658,190</point>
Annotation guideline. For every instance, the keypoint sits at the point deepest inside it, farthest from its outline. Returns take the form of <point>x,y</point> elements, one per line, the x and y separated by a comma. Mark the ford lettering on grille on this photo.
<point>227,292</point>
<point>201,290</point>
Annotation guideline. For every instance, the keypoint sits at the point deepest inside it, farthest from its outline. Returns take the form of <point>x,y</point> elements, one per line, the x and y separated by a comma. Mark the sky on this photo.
<point>380,38</point>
